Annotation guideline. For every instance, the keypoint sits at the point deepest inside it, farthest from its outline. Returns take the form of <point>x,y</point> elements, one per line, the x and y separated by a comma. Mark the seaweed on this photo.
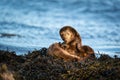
<point>37,65</point>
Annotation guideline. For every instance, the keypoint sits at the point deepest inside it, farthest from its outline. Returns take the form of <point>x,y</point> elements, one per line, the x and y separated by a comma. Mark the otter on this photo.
<point>71,48</point>
<point>56,51</point>
<point>71,39</point>
<point>73,43</point>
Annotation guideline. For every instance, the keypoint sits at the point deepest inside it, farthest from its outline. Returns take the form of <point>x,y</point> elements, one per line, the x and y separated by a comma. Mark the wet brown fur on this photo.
<point>75,40</point>
<point>56,51</point>
<point>71,48</point>
<point>75,45</point>
<point>86,51</point>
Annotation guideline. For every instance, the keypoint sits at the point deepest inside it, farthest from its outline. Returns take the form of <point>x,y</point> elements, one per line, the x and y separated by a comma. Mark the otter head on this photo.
<point>68,34</point>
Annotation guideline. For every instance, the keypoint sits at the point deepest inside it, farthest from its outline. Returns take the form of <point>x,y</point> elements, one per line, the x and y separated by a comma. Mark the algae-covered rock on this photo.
<point>37,65</point>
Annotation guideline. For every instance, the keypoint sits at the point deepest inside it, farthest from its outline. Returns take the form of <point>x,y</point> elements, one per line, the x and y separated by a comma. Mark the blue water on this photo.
<point>36,23</point>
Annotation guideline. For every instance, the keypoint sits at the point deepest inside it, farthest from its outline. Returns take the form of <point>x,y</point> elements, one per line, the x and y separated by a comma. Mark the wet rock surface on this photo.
<point>37,65</point>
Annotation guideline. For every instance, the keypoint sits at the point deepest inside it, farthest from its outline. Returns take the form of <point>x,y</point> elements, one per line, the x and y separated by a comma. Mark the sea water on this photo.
<point>26,25</point>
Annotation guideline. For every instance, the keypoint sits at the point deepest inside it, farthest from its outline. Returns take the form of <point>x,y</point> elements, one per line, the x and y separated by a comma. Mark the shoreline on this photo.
<point>37,65</point>
<point>24,50</point>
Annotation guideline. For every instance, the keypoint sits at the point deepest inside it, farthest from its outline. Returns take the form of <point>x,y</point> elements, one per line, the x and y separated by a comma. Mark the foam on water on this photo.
<point>36,23</point>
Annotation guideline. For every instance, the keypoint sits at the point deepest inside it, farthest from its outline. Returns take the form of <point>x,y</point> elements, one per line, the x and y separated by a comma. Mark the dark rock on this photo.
<point>37,65</point>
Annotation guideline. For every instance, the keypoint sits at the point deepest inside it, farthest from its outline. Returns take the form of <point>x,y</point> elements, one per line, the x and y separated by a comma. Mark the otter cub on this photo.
<point>71,39</point>
<point>73,43</point>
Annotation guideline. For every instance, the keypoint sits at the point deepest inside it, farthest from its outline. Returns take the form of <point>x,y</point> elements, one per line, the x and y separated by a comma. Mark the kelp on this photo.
<point>37,65</point>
